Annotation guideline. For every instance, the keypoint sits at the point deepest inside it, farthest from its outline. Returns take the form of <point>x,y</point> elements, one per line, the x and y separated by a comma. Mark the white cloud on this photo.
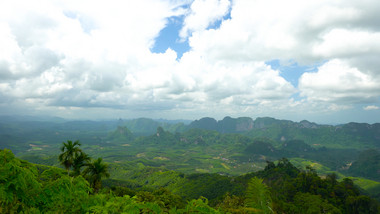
<point>348,43</point>
<point>306,32</point>
<point>74,55</point>
<point>99,58</point>
<point>371,107</point>
<point>338,33</point>
<point>202,14</point>
<point>336,81</point>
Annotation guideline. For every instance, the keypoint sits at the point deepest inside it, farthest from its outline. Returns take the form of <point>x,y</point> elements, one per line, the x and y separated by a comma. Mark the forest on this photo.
<point>204,166</point>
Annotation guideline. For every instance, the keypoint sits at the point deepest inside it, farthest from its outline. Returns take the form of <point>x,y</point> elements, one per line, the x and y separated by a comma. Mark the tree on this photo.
<point>19,186</point>
<point>95,171</point>
<point>233,204</point>
<point>80,159</point>
<point>65,195</point>
<point>198,206</point>
<point>69,151</point>
<point>258,196</point>
<point>308,203</point>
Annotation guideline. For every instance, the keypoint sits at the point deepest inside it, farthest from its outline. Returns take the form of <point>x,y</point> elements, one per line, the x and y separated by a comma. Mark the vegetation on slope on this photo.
<point>279,188</point>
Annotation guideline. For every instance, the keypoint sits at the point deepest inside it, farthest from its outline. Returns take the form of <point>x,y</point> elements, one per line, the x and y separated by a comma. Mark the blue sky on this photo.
<point>169,38</point>
<point>189,59</point>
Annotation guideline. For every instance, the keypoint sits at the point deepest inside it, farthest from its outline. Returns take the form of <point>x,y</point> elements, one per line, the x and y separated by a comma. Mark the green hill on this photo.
<point>136,188</point>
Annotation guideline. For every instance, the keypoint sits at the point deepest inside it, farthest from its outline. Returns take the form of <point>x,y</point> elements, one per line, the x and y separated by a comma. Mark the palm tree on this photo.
<point>80,159</point>
<point>95,171</point>
<point>69,151</point>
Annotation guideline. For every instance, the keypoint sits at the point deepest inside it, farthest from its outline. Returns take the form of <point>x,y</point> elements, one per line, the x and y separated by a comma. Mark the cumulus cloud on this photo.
<point>75,55</point>
<point>51,50</point>
<point>339,35</point>
<point>336,81</point>
<point>202,14</point>
<point>294,29</point>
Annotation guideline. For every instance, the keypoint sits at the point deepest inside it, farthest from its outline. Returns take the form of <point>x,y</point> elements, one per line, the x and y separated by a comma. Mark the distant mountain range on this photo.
<point>354,135</point>
<point>243,139</point>
<point>350,135</point>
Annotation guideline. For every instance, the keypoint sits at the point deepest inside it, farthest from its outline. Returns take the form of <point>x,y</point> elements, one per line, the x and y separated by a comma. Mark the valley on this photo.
<point>144,154</point>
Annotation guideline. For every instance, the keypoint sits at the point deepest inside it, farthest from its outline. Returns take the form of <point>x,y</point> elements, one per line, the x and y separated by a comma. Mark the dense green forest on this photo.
<point>279,188</point>
<point>228,166</point>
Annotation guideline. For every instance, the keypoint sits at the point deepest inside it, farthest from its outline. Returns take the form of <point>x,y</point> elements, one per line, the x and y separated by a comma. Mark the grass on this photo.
<point>365,184</point>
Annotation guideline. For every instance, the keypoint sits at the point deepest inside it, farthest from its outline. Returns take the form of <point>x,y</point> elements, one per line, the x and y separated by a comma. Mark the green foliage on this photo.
<point>95,171</point>
<point>296,146</point>
<point>258,196</point>
<point>163,197</point>
<point>261,148</point>
<point>69,151</point>
<point>280,187</point>
<point>374,192</point>
<point>367,165</point>
<point>121,191</point>
<point>81,159</point>
<point>211,186</point>
<point>122,134</point>
<point>198,206</point>
<point>125,204</point>
<point>232,204</point>
<point>191,150</point>
<point>50,174</point>
<point>141,166</point>
<point>66,194</point>
<point>305,203</point>
<point>319,195</point>
<point>19,187</point>
<point>110,204</point>
<point>360,204</point>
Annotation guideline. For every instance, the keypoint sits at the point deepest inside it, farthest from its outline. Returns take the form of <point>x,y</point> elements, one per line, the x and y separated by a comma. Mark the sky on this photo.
<point>317,60</point>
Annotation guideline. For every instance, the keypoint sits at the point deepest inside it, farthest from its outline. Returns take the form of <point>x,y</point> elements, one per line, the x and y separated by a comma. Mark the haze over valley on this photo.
<point>190,106</point>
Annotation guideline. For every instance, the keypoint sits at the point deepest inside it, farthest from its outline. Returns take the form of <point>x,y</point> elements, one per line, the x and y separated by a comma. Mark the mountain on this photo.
<point>121,134</point>
<point>10,118</point>
<point>227,125</point>
<point>231,146</point>
<point>146,126</point>
<point>367,165</point>
<point>244,124</point>
<point>206,123</point>
<point>359,136</point>
<point>350,135</point>
<point>141,125</point>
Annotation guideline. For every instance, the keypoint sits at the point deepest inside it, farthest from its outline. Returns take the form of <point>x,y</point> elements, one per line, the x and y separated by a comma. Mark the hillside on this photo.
<point>278,188</point>
<point>228,147</point>
<point>350,135</point>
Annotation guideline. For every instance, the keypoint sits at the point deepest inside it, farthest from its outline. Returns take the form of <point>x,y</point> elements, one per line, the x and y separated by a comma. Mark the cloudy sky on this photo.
<point>181,59</point>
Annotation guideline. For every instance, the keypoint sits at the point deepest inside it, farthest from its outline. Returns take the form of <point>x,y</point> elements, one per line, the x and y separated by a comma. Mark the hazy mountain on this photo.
<point>367,165</point>
<point>145,126</point>
<point>351,135</point>
<point>207,123</point>
<point>243,124</point>
<point>227,125</point>
<point>23,118</point>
